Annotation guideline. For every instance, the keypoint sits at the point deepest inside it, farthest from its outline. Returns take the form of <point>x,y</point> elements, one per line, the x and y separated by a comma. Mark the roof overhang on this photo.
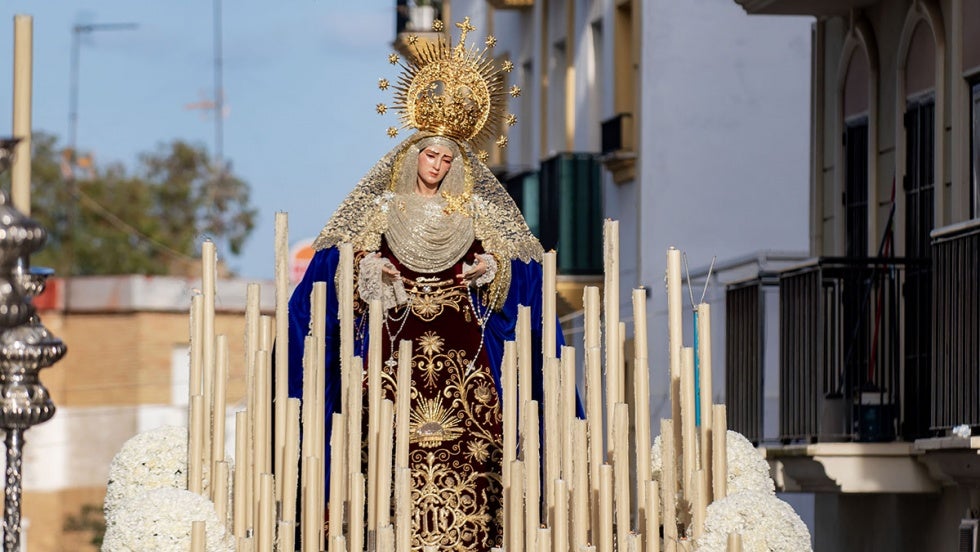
<point>821,8</point>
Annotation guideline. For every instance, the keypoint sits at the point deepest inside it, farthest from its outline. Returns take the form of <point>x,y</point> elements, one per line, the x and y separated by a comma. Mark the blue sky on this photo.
<point>300,80</point>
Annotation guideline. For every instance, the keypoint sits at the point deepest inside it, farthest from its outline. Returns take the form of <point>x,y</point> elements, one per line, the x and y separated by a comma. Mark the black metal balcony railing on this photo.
<point>840,350</point>
<point>956,331</point>
<point>744,319</point>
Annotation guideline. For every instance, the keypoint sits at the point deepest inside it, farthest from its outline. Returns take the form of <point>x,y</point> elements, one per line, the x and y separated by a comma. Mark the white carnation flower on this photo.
<point>154,459</point>
<point>747,468</point>
<point>766,524</point>
<point>160,520</point>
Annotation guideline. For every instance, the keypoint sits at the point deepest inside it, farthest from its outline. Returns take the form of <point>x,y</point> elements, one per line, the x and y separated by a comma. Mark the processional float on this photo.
<point>586,487</point>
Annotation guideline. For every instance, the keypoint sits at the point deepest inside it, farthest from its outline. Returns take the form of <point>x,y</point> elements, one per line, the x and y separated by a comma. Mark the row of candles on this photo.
<point>583,497</point>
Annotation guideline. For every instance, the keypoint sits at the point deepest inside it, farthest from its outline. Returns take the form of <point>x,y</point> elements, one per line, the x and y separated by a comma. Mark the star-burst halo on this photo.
<point>452,90</point>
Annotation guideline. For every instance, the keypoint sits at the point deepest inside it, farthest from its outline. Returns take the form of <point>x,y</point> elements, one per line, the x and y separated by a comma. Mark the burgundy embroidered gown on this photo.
<point>456,423</point>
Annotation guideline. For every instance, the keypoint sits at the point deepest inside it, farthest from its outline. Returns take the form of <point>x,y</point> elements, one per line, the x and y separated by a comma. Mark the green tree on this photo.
<point>149,221</point>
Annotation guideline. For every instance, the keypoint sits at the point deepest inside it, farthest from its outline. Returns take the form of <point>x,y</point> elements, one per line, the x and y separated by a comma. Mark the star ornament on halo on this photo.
<point>515,91</point>
<point>393,59</point>
<point>392,132</point>
<point>383,84</point>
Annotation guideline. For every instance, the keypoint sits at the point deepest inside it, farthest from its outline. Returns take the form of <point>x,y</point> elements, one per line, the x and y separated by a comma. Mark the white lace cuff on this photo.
<point>487,276</point>
<point>371,284</point>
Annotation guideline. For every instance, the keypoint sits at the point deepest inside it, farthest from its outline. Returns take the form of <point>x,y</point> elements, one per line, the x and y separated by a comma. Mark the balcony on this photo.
<point>841,349</point>
<point>877,364</point>
<point>413,24</point>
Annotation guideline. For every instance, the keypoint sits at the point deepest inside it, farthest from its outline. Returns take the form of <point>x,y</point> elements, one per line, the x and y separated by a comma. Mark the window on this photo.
<point>918,185</point>
<point>975,150</point>
<point>856,187</point>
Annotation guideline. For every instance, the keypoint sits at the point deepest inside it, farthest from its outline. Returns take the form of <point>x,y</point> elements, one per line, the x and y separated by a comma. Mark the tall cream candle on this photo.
<point>734,542</point>
<point>286,535</point>
<point>705,385</point>
<point>403,407</point>
<point>242,475</point>
<point>652,521</point>
<point>532,471</point>
<point>548,309</point>
<point>309,412</point>
<point>198,536</point>
<point>719,457</point>
<point>593,414</point>
<point>208,275</point>
<point>581,493</point>
<point>252,344</point>
<point>567,411</point>
<point>195,381</point>
<point>675,334</point>
<point>641,399</point>
<point>524,360</point>
<point>195,468</point>
<point>605,540</point>
<point>261,439</point>
<point>699,506</point>
<point>346,304</point>
<point>509,377</point>
<point>669,488</point>
<point>309,534</point>
<point>290,461</point>
<point>282,343</point>
<point>265,532</point>
<point>560,523</point>
<point>552,431</point>
<point>542,539</point>
<point>356,516</point>
<point>621,470</point>
<point>318,317</point>
<point>509,405</point>
<point>385,445</point>
<point>336,502</point>
<point>220,401</point>
<point>354,420</point>
<point>219,485</point>
<point>688,449</point>
<point>590,302</point>
<point>611,297</point>
<point>515,522</point>
<point>386,538</point>
<point>375,350</point>
<point>403,509</point>
<point>20,172</point>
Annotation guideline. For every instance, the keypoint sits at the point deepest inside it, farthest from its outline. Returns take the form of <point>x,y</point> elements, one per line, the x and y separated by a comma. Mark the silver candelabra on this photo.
<point>26,346</point>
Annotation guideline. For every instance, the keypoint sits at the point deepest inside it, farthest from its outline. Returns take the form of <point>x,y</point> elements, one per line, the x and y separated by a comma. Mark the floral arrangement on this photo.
<point>765,523</point>
<point>147,506</point>
<point>160,519</point>
<point>751,508</point>
<point>154,459</point>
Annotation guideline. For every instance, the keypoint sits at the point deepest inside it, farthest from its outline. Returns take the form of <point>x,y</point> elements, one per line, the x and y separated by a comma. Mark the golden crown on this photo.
<point>455,91</point>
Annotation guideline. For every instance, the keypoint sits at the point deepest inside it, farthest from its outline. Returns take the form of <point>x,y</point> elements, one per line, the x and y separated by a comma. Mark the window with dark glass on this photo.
<point>856,187</point>
<point>975,150</point>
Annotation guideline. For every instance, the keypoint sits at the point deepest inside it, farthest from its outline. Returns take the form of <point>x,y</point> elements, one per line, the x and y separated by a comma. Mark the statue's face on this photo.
<point>434,162</point>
